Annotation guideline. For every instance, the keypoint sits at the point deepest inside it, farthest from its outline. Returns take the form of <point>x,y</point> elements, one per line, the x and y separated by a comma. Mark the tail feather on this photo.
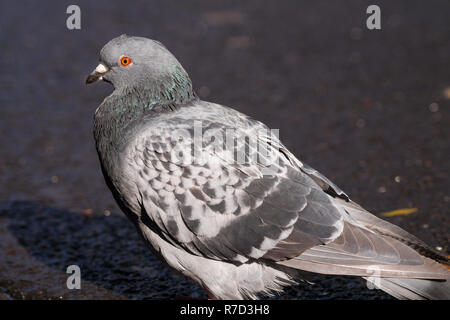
<point>383,227</point>
<point>413,289</point>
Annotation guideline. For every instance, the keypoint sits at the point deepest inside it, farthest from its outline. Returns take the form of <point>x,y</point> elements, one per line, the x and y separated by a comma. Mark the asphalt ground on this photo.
<point>367,108</point>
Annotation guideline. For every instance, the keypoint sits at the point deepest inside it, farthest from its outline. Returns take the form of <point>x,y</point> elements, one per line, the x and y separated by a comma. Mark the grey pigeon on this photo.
<point>244,220</point>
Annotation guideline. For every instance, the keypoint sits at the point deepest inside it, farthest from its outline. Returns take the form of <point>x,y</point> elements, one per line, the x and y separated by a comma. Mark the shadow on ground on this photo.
<point>107,249</point>
<point>39,242</point>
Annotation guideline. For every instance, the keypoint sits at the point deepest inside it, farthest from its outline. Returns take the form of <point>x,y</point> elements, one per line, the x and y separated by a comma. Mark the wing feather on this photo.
<point>222,209</point>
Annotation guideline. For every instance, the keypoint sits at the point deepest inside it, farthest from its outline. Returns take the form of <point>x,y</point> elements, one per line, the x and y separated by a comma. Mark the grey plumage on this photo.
<point>236,230</point>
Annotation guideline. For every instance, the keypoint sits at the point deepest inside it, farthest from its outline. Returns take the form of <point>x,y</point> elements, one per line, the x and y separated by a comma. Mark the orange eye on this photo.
<point>125,61</point>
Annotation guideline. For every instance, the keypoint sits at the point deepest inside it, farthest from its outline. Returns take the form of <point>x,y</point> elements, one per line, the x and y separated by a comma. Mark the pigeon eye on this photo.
<point>125,61</point>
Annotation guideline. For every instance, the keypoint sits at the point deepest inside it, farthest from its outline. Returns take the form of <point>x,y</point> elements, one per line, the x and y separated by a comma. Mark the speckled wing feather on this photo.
<point>219,208</point>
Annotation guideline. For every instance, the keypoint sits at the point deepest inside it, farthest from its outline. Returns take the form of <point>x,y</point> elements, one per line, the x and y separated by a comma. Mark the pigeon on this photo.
<point>218,198</point>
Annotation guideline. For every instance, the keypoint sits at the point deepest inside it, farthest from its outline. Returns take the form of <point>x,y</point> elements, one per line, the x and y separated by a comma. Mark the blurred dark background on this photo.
<point>367,108</point>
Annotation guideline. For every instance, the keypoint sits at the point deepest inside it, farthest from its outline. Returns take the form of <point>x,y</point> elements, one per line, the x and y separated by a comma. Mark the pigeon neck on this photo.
<point>132,104</point>
<point>161,94</point>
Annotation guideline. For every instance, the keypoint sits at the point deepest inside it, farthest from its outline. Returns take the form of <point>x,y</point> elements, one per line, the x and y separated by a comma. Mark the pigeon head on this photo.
<point>144,66</point>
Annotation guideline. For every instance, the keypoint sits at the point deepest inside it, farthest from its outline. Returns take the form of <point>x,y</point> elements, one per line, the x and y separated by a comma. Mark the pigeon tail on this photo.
<point>413,289</point>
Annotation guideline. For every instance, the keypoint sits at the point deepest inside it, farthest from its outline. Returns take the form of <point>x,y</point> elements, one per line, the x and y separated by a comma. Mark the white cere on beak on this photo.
<point>101,68</point>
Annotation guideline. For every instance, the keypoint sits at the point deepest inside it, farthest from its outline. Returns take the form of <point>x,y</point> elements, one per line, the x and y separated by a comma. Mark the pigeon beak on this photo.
<point>97,74</point>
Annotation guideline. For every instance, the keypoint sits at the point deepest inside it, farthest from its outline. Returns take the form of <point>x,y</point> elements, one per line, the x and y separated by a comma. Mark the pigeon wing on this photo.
<point>238,211</point>
<point>199,197</point>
